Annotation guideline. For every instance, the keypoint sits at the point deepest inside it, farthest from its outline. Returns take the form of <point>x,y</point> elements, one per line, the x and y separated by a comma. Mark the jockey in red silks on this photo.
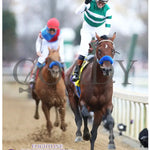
<point>50,36</point>
<point>97,19</point>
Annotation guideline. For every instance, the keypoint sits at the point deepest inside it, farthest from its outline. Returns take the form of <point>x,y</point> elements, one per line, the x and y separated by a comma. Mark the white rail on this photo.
<point>132,111</point>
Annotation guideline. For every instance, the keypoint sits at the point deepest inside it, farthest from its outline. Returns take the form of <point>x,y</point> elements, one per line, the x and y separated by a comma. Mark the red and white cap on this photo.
<point>53,23</point>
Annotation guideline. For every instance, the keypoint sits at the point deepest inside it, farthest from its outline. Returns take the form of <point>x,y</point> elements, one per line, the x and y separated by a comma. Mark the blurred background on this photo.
<point>22,21</point>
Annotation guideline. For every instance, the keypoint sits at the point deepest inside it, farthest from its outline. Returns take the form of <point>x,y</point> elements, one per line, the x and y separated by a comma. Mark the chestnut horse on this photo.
<point>50,89</point>
<point>96,92</point>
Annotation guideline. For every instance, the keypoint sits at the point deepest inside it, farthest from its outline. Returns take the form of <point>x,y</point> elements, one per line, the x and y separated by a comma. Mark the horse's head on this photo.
<point>105,52</point>
<point>53,63</point>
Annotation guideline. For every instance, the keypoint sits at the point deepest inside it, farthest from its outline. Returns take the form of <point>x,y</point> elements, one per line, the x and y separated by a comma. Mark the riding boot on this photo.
<point>75,76</point>
<point>33,77</point>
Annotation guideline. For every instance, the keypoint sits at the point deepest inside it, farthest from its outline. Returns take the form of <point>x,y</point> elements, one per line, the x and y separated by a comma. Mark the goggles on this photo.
<point>52,30</point>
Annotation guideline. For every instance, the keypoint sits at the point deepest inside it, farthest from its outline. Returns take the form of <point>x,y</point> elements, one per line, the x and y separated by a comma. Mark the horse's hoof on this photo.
<point>78,139</point>
<point>111,146</point>
<point>56,124</point>
<point>63,127</point>
<point>36,117</point>
<point>86,137</point>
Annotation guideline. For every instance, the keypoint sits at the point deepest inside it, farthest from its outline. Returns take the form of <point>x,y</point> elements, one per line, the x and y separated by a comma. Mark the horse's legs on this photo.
<point>37,100</point>
<point>62,117</point>
<point>109,125</point>
<point>36,115</point>
<point>78,119</point>
<point>47,116</point>
<point>96,123</point>
<point>56,123</point>
<point>86,134</point>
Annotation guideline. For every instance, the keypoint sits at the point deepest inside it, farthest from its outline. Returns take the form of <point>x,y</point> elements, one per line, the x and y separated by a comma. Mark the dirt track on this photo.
<point>21,130</point>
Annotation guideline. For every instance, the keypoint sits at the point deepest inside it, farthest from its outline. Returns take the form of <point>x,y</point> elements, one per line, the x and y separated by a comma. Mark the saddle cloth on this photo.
<point>77,83</point>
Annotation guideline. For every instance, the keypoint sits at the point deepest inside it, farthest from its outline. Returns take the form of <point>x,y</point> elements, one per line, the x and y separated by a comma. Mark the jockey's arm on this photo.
<point>82,8</point>
<point>108,22</point>
<point>38,45</point>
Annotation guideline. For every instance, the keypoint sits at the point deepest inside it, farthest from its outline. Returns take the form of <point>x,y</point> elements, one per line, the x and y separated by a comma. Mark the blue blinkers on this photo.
<point>55,63</point>
<point>105,58</point>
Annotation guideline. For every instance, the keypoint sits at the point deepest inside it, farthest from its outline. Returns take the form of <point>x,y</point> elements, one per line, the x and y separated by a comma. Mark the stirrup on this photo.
<point>75,77</point>
<point>31,85</point>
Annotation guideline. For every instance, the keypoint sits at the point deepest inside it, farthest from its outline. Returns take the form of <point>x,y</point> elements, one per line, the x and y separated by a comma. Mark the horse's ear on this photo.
<point>98,38</point>
<point>114,36</point>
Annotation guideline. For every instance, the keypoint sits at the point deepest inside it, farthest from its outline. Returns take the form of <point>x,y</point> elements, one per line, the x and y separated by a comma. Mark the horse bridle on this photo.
<point>106,40</point>
<point>98,42</point>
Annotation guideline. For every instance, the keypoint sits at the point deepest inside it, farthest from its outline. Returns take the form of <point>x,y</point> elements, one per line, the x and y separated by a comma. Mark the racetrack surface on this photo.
<point>21,130</point>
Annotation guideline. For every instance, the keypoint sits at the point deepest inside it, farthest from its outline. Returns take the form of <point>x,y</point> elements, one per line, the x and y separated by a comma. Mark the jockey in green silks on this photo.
<point>97,19</point>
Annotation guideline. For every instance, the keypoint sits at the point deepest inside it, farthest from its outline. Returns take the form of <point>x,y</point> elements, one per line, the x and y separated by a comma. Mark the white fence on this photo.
<point>132,111</point>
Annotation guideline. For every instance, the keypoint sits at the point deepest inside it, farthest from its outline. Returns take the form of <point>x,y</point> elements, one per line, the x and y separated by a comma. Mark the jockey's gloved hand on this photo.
<point>82,8</point>
<point>87,1</point>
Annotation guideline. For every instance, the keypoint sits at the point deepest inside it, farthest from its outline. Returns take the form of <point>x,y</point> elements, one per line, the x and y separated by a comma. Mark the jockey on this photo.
<point>50,36</point>
<point>97,19</point>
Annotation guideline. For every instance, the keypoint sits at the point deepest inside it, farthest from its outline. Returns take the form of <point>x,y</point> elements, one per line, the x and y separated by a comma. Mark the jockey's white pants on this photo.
<point>87,33</point>
<point>52,45</point>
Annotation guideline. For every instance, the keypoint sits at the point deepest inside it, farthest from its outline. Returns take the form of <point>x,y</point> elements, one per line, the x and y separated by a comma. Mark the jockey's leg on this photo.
<point>35,74</point>
<point>75,76</point>
<point>86,37</point>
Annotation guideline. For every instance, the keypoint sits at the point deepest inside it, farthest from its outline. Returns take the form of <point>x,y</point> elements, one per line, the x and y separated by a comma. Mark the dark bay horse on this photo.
<point>96,92</point>
<point>50,89</point>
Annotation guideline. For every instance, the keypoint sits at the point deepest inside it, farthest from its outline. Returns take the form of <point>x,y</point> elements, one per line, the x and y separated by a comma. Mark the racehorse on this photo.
<point>50,89</point>
<point>96,88</point>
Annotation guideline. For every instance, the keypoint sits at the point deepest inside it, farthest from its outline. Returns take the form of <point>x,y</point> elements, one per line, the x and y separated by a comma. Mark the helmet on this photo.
<point>104,1</point>
<point>53,23</point>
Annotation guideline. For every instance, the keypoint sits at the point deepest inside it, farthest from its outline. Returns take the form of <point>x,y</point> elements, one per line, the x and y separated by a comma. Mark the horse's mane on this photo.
<point>104,37</point>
